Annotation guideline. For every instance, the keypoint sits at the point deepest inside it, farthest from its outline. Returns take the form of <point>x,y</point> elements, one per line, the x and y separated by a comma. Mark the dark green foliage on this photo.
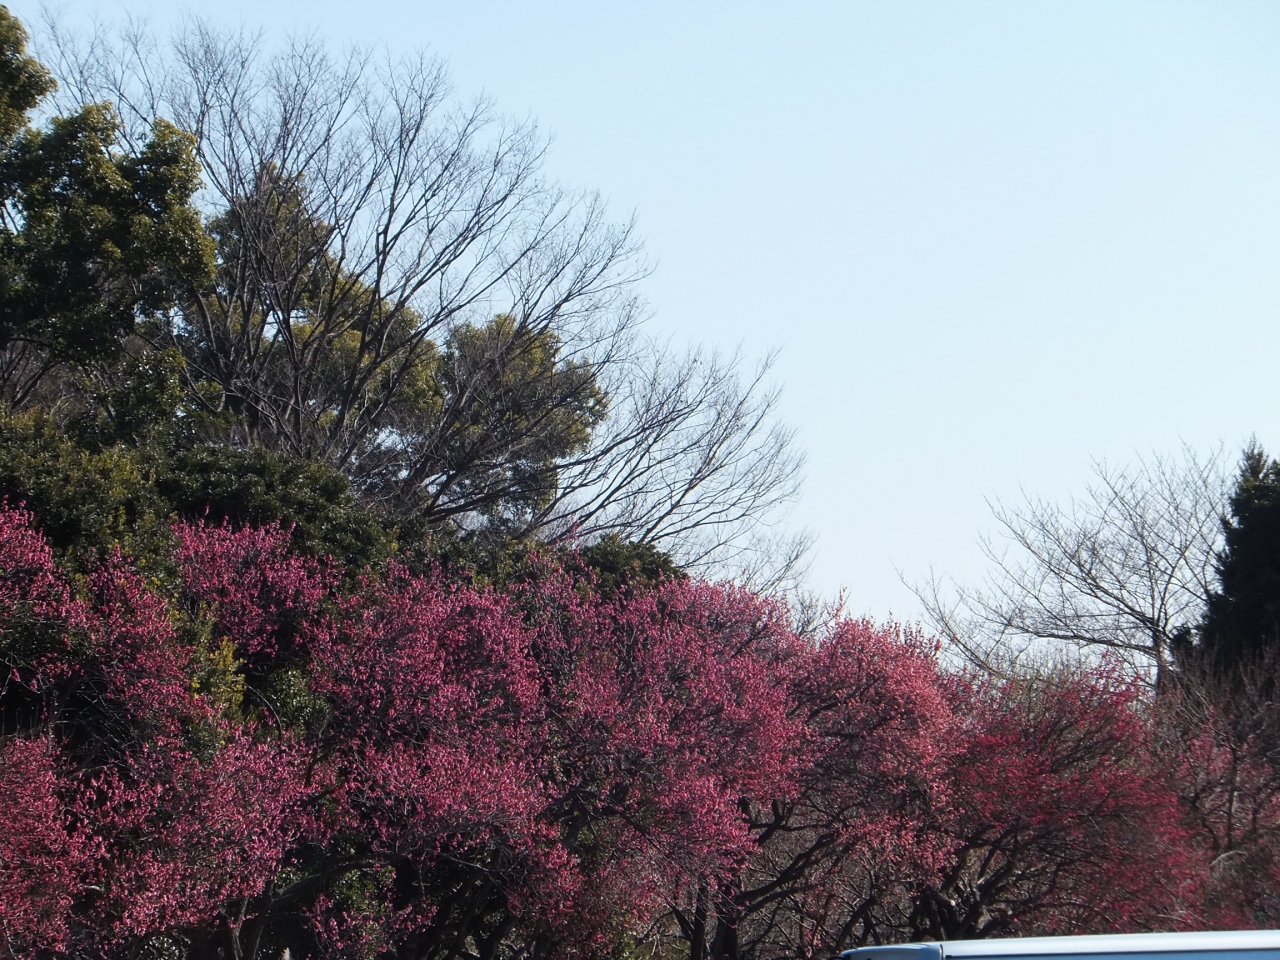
<point>85,500</point>
<point>91,238</point>
<point>89,497</point>
<point>157,367</point>
<point>290,350</point>
<point>288,699</point>
<point>137,399</point>
<point>617,562</point>
<point>95,242</point>
<point>253,487</point>
<point>24,82</point>
<point>1242,620</point>
<point>501,455</point>
<point>608,564</point>
<point>102,237</point>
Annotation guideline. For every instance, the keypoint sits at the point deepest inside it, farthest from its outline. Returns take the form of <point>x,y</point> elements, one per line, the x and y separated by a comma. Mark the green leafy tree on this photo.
<point>93,237</point>
<point>617,563</point>
<point>88,499</point>
<point>255,487</point>
<point>500,457</point>
<point>24,82</point>
<point>291,350</point>
<point>85,500</point>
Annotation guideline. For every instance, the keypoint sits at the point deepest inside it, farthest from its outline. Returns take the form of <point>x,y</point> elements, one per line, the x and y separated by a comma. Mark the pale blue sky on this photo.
<point>992,240</point>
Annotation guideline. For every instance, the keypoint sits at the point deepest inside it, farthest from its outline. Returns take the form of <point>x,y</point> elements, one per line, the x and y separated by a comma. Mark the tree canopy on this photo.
<point>400,293</point>
<point>93,238</point>
<point>257,754</point>
<point>1241,624</point>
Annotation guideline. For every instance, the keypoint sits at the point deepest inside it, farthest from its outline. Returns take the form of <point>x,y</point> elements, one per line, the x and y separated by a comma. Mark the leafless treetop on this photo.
<point>1125,567</point>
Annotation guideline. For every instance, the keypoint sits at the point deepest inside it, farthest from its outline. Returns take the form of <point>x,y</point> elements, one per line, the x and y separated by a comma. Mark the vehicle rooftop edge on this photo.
<point>1096,944</point>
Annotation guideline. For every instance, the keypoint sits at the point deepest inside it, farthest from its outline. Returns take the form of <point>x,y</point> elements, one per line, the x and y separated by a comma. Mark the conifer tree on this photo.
<point>1242,621</point>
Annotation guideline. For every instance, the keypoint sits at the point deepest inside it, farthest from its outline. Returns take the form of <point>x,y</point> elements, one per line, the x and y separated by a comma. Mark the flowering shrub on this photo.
<point>271,756</point>
<point>1060,822</point>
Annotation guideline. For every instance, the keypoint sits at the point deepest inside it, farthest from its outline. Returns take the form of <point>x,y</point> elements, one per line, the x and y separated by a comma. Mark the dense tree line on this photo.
<point>352,594</point>
<point>250,753</point>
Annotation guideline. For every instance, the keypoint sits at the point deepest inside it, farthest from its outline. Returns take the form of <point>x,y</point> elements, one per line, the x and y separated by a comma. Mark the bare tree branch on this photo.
<point>401,293</point>
<point>1126,567</point>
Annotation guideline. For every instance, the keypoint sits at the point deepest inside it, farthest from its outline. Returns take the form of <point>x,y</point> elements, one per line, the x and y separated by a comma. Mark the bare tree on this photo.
<point>403,294</point>
<point>694,458</point>
<point>1126,567</point>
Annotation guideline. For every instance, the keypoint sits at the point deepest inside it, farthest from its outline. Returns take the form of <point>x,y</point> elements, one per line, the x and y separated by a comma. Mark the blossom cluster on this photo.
<point>261,754</point>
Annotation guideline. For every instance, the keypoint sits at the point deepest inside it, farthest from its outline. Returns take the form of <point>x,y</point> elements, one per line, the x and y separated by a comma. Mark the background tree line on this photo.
<point>1170,564</point>
<point>337,261</point>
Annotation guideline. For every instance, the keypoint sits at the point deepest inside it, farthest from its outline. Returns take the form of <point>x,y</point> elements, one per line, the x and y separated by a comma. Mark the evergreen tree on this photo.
<point>1242,620</point>
<point>93,238</point>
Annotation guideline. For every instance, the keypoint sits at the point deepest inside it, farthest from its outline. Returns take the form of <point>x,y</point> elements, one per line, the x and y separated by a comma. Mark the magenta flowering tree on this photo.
<point>250,751</point>
<point>870,727</point>
<point>146,811</point>
<point>408,767</point>
<point>1060,819</point>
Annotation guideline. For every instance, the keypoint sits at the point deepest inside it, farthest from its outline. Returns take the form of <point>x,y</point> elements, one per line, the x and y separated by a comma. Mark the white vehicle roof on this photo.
<point>1153,943</point>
